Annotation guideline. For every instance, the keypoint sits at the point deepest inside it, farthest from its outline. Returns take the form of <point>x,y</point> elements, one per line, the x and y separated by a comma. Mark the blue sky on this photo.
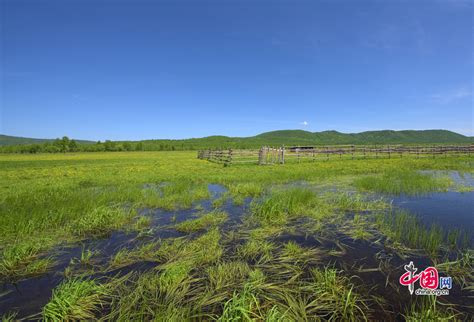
<point>176,69</point>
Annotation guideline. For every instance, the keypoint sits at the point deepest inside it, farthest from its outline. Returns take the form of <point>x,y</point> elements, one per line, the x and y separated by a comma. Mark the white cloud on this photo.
<point>451,95</point>
<point>304,123</point>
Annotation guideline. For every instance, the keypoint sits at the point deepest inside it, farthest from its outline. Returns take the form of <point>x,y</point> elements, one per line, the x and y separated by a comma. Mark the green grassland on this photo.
<point>242,274</point>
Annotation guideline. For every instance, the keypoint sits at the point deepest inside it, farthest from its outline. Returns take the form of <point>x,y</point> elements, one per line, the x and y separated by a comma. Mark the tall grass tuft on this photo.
<point>210,219</point>
<point>407,229</point>
<point>75,299</point>
<point>398,182</point>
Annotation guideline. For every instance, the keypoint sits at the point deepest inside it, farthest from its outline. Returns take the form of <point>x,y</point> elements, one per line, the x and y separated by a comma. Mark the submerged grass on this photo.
<point>427,308</point>
<point>210,219</point>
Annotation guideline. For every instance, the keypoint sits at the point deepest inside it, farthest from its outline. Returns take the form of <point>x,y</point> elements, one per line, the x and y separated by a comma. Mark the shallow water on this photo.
<point>451,209</point>
<point>28,296</point>
<point>356,258</point>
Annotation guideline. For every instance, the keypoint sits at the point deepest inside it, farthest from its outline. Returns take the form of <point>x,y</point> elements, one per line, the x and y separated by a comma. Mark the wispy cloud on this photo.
<point>452,95</point>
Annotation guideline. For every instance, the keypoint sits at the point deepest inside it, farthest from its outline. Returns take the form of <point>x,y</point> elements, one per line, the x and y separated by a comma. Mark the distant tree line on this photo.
<point>65,145</point>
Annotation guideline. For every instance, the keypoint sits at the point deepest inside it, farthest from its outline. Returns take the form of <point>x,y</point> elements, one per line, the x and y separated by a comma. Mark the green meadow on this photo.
<point>214,266</point>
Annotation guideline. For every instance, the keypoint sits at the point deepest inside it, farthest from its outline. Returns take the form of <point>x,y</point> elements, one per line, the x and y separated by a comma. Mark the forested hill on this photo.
<point>274,138</point>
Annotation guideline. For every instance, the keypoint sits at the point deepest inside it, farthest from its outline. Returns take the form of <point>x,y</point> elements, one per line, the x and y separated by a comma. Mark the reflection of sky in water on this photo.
<point>450,209</point>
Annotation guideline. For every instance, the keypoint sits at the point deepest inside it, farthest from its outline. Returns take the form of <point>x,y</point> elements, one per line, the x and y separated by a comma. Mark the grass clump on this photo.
<point>405,228</point>
<point>283,205</point>
<point>240,191</point>
<point>296,254</point>
<point>145,252</point>
<point>9,317</point>
<point>426,308</point>
<point>21,261</point>
<point>335,297</point>
<point>256,250</point>
<point>205,249</point>
<point>227,274</point>
<point>243,306</point>
<point>153,295</point>
<point>354,202</point>
<point>408,182</point>
<point>75,299</point>
<point>100,221</point>
<point>210,219</point>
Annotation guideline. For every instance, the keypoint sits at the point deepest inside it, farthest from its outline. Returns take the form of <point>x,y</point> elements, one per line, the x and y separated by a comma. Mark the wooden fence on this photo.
<point>281,155</point>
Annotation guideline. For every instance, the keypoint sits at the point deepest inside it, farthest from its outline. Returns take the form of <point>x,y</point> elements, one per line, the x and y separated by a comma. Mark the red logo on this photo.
<point>428,279</point>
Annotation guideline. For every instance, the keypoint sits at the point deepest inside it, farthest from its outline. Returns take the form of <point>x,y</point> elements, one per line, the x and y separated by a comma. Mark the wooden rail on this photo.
<point>281,155</point>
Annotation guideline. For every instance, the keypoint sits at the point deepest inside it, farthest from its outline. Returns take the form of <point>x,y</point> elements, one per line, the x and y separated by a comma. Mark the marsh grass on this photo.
<point>239,191</point>
<point>408,182</point>
<point>151,295</point>
<point>203,221</point>
<point>243,306</point>
<point>9,317</point>
<point>360,229</point>
<point>405,228</point>
<point>22,260</point>
<point>144,252</point>
<point>85,258</point>
<point>256,250</point>
<point>427,308</point>
<point>75,299</point>
<point>298,255</point>
<point>283,205</point>
<point>101,221</point>
<point>142,222</point>
<point>336,298</point>
<point>461,269</point>
<point>464,189</point>
<point>49,199</point>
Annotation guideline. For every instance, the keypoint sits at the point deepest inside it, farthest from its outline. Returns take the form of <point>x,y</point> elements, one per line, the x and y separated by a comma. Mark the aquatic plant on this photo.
<point>254,249</point>
<point>426,308</point>
<point>227,274</point>
<point>282,205</point>
<point>336,298</point>
<point>75,299</point>
<point>296,254</point>
<point>85,257</point>
<point>22,260</point>
<point>242,306</point>
<point>101,221</point>
<point>210,219</point>
<point>48,200</point>
<point>9,317</point>
<point>403,181</point>
<point>145,252</point>
<point>407,229</point>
